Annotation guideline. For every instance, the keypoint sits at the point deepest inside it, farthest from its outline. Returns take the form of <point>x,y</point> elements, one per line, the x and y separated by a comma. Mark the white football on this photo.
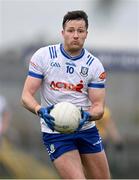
<point>67,117</point>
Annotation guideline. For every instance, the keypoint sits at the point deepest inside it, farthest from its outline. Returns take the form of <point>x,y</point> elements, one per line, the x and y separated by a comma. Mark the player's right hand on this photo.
<point>44,112</point>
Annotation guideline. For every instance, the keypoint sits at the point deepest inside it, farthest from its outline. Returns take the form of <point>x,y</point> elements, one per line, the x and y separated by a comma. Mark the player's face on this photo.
<point>74,34</point>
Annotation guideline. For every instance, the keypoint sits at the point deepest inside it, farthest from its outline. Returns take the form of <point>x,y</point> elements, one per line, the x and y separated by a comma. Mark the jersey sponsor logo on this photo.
<point>84,71</point>
<point>65,86</point>
<point>55,64</point>
<point>102,76</point>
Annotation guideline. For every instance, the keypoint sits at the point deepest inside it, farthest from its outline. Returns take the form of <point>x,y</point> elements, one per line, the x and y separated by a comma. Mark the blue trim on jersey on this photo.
<point>71,57</point>
<point>30,73</point>
<point>90,60</point>
<point>53,53</point>
<point>50,52</point>
<point>95,85</point>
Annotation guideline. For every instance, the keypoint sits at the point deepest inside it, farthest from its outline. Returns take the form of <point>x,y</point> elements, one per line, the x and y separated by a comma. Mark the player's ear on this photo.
<point>62,32</point>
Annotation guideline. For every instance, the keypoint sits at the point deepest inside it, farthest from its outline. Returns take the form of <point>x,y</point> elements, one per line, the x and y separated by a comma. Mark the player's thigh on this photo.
<point>69,165</point>
<point>96,165</point>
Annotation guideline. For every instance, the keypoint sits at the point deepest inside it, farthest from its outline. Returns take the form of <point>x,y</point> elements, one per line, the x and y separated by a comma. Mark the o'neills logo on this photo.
<point>65,86</point>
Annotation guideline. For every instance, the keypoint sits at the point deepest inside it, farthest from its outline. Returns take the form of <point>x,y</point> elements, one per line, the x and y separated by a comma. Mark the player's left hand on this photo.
<point>85,119</point>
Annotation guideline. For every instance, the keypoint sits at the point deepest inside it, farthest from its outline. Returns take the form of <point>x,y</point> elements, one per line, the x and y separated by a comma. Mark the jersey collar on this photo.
<point>71,57</point>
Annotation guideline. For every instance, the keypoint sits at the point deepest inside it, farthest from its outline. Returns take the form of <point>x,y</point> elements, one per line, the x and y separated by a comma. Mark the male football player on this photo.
<point>68,72</point>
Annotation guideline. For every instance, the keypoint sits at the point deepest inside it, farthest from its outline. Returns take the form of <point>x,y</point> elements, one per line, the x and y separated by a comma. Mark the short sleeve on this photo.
<point>98,75</point>
<point>36,65</point>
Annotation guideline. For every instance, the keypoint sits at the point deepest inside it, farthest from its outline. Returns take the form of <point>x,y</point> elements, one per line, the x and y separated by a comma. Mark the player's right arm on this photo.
<point>33,82</point>
<point>28,99</point>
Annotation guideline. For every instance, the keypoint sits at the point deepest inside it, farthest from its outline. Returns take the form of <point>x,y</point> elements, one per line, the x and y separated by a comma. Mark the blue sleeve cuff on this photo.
<point>96,85</point>
<point>30,73</point>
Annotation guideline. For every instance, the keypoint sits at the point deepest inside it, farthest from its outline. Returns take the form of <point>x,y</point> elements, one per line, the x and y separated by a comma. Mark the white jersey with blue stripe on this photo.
<point>66,78</point>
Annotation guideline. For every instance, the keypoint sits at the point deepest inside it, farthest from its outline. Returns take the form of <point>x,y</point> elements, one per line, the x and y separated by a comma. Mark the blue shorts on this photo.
<point>86,141</point>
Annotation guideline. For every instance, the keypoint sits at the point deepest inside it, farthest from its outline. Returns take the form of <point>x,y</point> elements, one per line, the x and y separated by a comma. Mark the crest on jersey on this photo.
<point>84,71</point>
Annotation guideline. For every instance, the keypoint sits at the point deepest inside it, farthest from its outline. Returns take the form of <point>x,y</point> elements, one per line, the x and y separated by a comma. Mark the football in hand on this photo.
<point>67,117</point>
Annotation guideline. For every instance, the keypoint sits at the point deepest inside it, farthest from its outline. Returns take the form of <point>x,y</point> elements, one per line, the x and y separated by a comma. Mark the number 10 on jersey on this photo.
<point>70,69</point>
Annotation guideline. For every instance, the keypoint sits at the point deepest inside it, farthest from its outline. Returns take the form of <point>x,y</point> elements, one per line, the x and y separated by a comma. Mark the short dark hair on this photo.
<point>75,15</point>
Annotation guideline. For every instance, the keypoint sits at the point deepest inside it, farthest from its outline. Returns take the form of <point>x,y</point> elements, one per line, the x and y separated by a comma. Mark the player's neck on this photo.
<point>72,52</point>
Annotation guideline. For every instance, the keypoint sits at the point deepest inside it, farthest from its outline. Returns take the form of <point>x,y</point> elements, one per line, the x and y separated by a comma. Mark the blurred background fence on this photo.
<point>120,57</point>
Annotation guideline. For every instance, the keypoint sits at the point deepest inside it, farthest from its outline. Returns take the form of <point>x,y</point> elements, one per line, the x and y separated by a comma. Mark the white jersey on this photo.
<point>66,78</point>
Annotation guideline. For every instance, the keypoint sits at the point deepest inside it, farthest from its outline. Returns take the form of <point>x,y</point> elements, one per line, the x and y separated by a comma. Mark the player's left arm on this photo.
<point>97,98</point>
